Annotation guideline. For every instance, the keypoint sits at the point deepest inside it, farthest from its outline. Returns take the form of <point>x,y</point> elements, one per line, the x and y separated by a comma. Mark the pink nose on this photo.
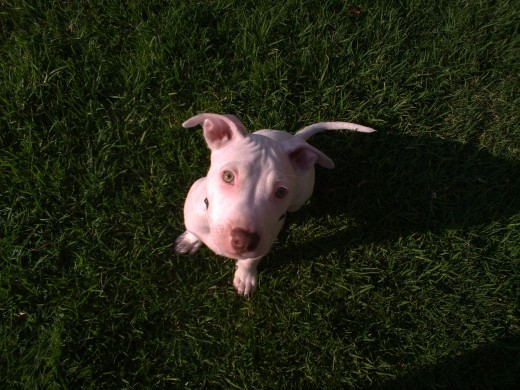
<point>242,240</point>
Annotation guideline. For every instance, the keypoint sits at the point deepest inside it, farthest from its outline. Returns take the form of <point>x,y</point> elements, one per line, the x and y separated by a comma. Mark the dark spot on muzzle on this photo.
<point>244,241</point>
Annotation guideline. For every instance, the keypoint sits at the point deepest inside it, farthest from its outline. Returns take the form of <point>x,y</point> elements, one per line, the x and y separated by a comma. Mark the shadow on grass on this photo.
<point>386,186</point>
<point>493,366</point>
<point>392,185</point>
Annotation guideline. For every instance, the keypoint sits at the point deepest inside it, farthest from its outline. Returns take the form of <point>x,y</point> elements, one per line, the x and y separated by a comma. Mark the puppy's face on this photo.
<point>250,186</point>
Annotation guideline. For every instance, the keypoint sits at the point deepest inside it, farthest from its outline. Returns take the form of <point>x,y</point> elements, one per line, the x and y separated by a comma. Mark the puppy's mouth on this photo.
<point>241,244</point>
<point>243,241</point>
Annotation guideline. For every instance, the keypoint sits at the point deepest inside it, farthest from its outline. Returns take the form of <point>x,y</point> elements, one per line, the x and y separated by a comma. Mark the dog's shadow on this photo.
<point>385,186</point>
<point>389,186</point>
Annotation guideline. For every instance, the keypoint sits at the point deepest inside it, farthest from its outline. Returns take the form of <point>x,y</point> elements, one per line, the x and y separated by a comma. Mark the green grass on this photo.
<point>402,272</point>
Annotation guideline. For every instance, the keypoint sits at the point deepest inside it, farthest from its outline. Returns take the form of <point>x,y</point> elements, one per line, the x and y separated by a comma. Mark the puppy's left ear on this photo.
<point>303,156</point>
<point>219,130</point>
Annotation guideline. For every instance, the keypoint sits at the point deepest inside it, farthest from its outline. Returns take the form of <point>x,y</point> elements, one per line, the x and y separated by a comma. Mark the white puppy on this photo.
<point>238,209</point>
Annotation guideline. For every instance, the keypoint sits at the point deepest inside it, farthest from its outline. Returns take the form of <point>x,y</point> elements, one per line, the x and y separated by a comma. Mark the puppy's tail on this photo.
<point>309,131</point>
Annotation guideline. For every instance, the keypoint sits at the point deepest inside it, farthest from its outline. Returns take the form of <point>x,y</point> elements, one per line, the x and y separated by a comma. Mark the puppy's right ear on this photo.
<point>303,156</point>
<point>219,130</point>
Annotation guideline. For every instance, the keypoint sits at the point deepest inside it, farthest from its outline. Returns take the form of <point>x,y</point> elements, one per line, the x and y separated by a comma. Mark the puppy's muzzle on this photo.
<point>243,241</point>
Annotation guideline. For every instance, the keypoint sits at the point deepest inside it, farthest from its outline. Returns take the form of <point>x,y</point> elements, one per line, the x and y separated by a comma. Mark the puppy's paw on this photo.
<point>187,244</point>
<point>245,280</point>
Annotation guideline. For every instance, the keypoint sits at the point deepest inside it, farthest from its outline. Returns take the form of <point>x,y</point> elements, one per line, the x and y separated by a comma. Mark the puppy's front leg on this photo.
<point>187,243</point>
<point>245,280</point>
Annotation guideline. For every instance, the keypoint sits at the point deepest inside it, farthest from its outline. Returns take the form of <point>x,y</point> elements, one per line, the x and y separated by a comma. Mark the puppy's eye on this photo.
<point>281,192</point>
<point>206,202</point>
<point>228,176</point>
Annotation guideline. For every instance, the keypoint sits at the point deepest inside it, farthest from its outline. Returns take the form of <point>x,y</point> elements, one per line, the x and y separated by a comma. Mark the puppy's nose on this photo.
<point>242,240</point>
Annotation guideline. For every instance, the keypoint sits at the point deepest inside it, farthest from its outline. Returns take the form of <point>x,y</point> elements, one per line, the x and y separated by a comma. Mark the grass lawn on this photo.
<point>403,271</point>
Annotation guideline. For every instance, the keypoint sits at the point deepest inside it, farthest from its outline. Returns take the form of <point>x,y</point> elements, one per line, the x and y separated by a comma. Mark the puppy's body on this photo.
<point>238,209</point>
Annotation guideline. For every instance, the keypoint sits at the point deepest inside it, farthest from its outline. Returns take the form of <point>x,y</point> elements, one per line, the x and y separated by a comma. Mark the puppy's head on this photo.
<point>251,184</point>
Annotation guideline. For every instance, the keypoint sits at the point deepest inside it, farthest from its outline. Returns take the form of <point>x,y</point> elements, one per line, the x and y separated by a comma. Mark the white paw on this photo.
<point>187,244</point>
<point>245,280</point>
